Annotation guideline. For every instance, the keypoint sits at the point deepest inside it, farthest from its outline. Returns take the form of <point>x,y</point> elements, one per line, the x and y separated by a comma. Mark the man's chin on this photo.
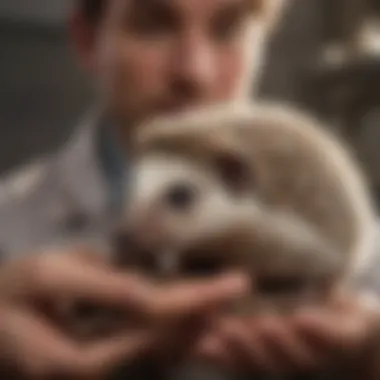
<point>176,108</point>
<point>161,110</point>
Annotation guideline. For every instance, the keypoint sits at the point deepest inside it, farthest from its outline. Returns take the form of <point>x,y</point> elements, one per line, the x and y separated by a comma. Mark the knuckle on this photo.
<point>57,364</point>
<point>36,369</point>
<point>41,270</point>
<point>38,269</point>
<point>153,310</point>
<point>75,364</point>
<point>63,365</point>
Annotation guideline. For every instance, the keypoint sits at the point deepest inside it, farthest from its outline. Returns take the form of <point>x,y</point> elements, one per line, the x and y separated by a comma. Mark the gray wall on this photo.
<point>42,92</point>
<point>41,11</point>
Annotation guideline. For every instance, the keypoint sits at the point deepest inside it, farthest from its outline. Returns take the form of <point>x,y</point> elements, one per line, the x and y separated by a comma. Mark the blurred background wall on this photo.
<point>43,94</point>
<point>39,11</point>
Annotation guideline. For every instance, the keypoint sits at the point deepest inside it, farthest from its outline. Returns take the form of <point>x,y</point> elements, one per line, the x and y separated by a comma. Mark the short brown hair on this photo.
<point>92,9</point>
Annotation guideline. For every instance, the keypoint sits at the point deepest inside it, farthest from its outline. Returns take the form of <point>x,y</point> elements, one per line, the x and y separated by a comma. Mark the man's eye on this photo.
<point>226,29</point>
<point>149,26</point>
<point>152,21</point>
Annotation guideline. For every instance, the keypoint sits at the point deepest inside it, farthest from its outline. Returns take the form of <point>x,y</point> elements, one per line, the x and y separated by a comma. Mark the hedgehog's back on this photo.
<point>296,164</point>
<point>303,168</point>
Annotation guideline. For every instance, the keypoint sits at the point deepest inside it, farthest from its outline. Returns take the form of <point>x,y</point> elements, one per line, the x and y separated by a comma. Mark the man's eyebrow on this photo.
<point>240,9</point>
<point>142,6</point>
<point>243,7</point>
<point>147,8</point>
<point>150,3</point>
<point>249,5</point>
<point>256,5</point>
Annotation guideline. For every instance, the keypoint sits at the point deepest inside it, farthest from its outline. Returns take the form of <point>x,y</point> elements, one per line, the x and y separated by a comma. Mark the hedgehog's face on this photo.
<point>173,199</point>
<point>188,219</point>
<point>204,198</point>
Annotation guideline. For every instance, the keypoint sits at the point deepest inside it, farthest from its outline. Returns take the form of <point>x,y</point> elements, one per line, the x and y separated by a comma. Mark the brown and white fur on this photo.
<point>267,189</point>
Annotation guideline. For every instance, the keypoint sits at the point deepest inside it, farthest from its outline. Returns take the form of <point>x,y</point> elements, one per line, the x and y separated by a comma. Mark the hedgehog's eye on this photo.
<point>234,172</point>
<point>181,196</point>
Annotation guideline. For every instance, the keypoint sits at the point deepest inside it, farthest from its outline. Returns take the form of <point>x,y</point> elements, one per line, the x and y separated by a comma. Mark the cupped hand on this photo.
<point>345,330</point>
<point>35,346</point>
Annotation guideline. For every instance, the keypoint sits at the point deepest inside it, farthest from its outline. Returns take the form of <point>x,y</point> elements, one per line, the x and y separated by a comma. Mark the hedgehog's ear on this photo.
<point>234,171</point>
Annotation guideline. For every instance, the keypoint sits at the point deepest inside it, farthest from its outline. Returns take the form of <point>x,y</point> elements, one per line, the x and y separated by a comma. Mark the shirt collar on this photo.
<point>112,159</point>
<point>82,174</point>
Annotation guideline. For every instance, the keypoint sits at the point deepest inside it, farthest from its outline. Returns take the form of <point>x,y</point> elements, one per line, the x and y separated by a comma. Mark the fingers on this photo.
<point>288,350</point>
<point>76,277</point>
<point>261,344</point>
<point>341,331</point>
<point>41,351</point>
<point>336,332</point>
<point>195,296</point>
<point>100,359</point>
<point>177,340</point>
<point>89,255</point>
<point>304,342</point>
<point>40,348</point>
<point>235,348</point>
<point>31,345</point>
<point>22,277</point>
<point>57,278</point>
<point>151,303</point>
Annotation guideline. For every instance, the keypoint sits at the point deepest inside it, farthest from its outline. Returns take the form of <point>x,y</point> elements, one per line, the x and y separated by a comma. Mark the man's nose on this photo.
<point>193,66</point>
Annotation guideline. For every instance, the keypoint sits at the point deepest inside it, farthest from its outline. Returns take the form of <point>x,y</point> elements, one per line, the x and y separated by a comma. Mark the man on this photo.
<point>147,57</point>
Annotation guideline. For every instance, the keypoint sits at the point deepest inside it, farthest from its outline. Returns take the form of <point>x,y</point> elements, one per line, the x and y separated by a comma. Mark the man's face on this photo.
<point>156,56</point>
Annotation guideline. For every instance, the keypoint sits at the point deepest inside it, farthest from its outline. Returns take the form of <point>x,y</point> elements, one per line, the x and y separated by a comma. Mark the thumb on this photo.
<point>170,302</point>
<point>99,360</point>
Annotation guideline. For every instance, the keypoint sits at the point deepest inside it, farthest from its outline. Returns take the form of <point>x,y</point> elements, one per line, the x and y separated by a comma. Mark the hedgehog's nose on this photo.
<point>123,241</point>
<point>124,247</point>
<point>129,252</point>
<point>201,266</point>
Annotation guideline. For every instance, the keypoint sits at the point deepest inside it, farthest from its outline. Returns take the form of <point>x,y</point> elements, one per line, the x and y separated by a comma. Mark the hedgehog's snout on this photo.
<point>129,252</point>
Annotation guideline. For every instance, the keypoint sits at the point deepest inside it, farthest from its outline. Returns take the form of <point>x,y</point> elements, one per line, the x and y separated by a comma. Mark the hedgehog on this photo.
<point>261,188</point>
<point>257,187</point>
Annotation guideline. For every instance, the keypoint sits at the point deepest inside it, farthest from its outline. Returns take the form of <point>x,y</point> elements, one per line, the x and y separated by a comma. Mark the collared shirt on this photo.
<point>113,163</point>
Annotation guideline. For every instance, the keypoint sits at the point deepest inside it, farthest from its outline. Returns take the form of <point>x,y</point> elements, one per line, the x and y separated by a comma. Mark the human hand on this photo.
<point>343,331</point>
<point>35,346</point>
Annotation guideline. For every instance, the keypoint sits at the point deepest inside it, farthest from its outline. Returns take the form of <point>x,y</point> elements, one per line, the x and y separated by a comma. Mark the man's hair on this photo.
<point>92,9</point>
